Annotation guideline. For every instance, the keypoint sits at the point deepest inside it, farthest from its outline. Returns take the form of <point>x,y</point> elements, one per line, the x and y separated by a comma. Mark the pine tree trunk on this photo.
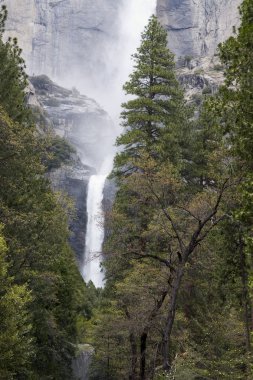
<point>171,317</point>
<point>245,296</point>
<point>133,374</point>
<point>144,336</point>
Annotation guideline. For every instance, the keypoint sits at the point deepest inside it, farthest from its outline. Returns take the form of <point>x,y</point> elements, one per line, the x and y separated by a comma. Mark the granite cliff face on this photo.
<point>195,27</point>
<point>69,40</point>
<point>57,36</point>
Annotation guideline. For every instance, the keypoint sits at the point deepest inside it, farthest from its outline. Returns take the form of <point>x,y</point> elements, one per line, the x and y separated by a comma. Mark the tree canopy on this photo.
<point>178,260</point>
<point>178,252</point>
<point>42,294</point>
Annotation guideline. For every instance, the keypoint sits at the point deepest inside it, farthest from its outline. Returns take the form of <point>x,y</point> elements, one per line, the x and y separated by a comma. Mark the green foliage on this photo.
<point>3,18</point>
<point>177,180</point>
<point>36,233</point>
<point>42,294</point>
<point>213,343</point>
<point>197,99</point>
<point>110,361</point>
<point>207,90</point>
<point>13,79</point>
<point>233,105</point>
<point>59,152</point>
<point>16,344</point>
<point>218,67</point>
<point>152,119</point>
<point>236,97</point>
<point>187,61</point>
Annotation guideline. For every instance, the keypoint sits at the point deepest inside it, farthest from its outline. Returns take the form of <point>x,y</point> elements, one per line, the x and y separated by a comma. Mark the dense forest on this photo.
<point>42,294</point>
<point>178,297</point>
<point>177,303</point>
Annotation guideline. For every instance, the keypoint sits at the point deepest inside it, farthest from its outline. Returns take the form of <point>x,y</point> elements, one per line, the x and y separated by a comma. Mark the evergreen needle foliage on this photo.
<point>42,295</point>
<point>156,115</point>
<point>179,255</point>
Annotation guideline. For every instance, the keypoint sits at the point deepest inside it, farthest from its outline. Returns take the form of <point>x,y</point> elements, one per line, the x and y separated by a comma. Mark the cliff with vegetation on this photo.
<point>177,302</point>
<point>178,298</point>
<point>42,293</point>
<point>76,123</point>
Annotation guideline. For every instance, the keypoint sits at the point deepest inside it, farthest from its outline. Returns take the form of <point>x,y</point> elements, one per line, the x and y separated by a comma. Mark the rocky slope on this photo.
<point>80,121</point>
<point>195,28</point>
<point>77,118</point>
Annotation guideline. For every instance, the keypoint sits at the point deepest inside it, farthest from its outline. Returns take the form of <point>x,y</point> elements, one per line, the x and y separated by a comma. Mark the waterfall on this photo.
<point>95,225</point>
<point>94,231</point>
<point>133,17</point>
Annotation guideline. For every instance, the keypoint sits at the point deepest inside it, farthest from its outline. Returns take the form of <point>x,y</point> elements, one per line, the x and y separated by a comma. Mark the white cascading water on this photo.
<point>133,18</point>
<point>95,221</point>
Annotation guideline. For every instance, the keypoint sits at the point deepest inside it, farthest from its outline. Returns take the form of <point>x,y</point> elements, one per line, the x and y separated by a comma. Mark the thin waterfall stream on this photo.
<point>95,225</point>
<point>133,18</point>
<point>94,231</point>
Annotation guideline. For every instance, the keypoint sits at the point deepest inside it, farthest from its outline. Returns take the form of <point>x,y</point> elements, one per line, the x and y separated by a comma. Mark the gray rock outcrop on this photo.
<point>195,27</point>
<point>88,128</point>
<point>77,118</point>
<point>82,361</point>
<point>64,38</point>
<point>67,39</point>
<point>58,35</point>
<point>73,180</point>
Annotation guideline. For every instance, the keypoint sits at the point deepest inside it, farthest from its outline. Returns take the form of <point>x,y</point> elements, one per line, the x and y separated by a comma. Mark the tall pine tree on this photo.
<point>156,114</point>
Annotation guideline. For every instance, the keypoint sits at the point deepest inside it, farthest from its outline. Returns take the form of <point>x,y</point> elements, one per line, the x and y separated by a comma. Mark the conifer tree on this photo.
<point>160,221</point>
<point>152,117</point>
<point>41,289</point>
<point>157,217</point>
<point>236,95</point>
<point>234,104</point>
<point>13,79</point>
<point>16,344</point>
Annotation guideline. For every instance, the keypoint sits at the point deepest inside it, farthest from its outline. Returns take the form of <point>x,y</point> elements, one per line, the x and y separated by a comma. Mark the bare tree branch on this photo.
<point>194,239</point>
<point>217,221</point>
<point>188,212</point>
<point>168,216</point>
<point>7,157</point>
<point>150,256</point>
